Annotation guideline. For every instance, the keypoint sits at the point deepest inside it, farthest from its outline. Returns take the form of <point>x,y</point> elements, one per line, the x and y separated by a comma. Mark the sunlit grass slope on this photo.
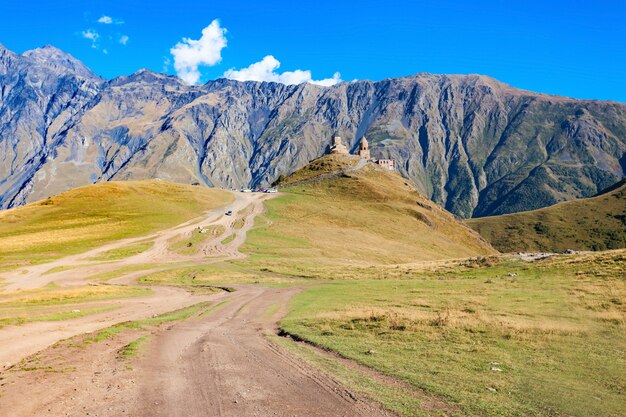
<point>88,217</point>
<point>370,216</point>
<point>503,339</point>
<point>596,223</point>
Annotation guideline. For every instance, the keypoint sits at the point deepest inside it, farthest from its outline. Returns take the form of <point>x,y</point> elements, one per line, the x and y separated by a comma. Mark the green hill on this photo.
<point>87,217</point>
<point>596,223</point>
<point>333,212</point>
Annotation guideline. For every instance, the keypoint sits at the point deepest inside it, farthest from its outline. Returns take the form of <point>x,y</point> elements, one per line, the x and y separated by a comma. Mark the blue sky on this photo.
<point>572,48</point>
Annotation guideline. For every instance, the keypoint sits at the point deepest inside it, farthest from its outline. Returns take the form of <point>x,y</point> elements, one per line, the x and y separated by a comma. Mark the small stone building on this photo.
<point>338,147</point>
<point>364,149</point>
<point>390,164</point>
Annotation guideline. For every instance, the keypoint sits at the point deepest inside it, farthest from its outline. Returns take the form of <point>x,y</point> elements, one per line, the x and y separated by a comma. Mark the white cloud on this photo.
<point>91,35</point>
<point>327,82</point>
<point>108,20</point>
<point>124,40</point>
<point>265,70</point>
<point>190,53</point>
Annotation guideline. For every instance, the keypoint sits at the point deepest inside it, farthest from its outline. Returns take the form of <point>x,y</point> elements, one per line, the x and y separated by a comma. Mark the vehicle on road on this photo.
<point>246,190</point>
<point>229,213</point>
<point>271,190</point>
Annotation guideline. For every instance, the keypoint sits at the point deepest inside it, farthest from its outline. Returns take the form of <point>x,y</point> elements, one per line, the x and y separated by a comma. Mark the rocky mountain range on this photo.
<point>471,143</point>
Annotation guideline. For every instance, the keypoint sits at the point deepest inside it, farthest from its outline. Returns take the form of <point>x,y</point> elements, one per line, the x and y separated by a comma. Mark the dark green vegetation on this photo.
<point>597,223</point>
<point>548,341</point>
<point>132,349</point>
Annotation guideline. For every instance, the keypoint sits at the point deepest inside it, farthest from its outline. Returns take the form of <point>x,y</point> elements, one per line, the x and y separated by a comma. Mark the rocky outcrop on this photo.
<point>474,145</point>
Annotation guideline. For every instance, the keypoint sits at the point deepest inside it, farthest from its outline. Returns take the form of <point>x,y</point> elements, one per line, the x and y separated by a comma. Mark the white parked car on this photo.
<point>246,190</point>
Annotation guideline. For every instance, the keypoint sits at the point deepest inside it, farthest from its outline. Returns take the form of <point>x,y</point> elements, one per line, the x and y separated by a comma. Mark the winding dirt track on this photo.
<point>217,364</point>
<point>18,342</point>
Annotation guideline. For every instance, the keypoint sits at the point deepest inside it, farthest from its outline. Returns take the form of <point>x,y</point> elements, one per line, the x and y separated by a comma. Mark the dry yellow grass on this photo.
<point>52,295</point>
<point>88,217</point>
<point>498,338</point>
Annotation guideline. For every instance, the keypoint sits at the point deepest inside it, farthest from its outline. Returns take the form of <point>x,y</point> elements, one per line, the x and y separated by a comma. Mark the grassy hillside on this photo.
<point>503,339</point>
<point>369,217</point>
<point>596,223</point>
<point>88,217</point>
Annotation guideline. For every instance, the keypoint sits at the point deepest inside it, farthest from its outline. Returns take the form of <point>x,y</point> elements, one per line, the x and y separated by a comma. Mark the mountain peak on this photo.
<point>7,58</point>
<point>147,76</point>
<point>59,60</point>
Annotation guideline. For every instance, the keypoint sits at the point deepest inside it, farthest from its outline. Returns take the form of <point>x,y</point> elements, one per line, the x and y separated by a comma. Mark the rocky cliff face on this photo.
<point>474,145</point>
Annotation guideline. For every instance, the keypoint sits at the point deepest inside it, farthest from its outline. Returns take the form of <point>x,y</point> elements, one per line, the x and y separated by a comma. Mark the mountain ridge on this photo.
<point>473,144</point>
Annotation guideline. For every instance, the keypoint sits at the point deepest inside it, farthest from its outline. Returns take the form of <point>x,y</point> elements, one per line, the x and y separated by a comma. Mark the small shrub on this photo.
<point>541,228</point>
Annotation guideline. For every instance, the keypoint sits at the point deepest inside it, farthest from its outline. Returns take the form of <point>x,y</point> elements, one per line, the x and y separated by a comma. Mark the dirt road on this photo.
<point>18,342</point>
<point>218,364</point>
<point>84,265</point>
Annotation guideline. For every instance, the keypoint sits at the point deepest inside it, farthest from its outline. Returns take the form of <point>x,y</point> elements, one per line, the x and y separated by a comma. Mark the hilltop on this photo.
<point>596,223</point>
<point>472,144</point>
<point>340,211</point>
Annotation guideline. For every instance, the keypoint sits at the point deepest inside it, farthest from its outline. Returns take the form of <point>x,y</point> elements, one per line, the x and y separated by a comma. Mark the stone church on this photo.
<point>337,147</point>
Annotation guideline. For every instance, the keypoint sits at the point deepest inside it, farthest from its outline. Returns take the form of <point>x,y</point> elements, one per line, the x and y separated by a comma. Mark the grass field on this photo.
<point>215,274</point>
<point>54,303</point>
<point>171,316</point>
<point>124,252</point>
<point>29,317</point>
<point>509,339</point>
<point>597,223</point>
<point>91,216</point>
